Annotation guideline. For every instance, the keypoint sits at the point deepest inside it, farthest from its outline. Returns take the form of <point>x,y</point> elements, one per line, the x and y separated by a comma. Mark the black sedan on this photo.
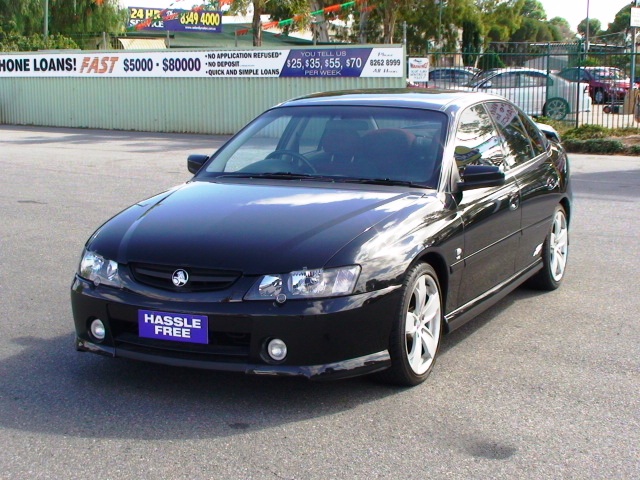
<point>336,235</point>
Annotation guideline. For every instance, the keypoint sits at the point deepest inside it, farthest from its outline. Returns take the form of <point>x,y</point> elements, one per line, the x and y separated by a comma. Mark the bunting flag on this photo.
<point>332,9</point>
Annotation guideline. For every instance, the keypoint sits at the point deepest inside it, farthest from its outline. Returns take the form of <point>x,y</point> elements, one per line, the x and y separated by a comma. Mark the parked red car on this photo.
<point>606,84</point>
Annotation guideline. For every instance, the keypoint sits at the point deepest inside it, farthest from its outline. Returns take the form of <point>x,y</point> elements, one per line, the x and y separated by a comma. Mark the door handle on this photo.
<point>514,202</point>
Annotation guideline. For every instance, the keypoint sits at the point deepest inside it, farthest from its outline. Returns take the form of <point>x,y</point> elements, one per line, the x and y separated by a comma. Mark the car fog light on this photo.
<point>98,331</point>
<point>277,349</point>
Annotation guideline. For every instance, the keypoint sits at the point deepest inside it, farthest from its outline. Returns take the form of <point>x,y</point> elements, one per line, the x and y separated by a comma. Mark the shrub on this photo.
<point>594,145</point>
<point>633,150</point>
<point>585,132</point>
<point>14,42</point>
<point>490,60</point>
<point>559,125</point>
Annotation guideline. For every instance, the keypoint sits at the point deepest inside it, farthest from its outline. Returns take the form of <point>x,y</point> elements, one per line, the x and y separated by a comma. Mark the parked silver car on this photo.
<point>450,77</point>
<point>535,91</point>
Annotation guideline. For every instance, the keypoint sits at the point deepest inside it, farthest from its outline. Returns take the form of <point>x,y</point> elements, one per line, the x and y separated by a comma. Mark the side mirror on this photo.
<point>549,132</point>
<point>195,162</point>
<point>486,84</point>
<point>480,176</point>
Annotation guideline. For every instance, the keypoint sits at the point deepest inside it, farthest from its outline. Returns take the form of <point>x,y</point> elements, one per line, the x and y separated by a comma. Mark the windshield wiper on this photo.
<point>279,175</point>
<point>384,181</point>
<point>321,178</point>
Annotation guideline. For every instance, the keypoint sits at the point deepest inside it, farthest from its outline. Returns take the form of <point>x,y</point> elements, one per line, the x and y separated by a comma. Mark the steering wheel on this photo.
<point>302,160</point>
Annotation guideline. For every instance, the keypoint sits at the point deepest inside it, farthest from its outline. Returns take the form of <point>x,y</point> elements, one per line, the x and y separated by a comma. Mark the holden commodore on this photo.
<point>336,235</point>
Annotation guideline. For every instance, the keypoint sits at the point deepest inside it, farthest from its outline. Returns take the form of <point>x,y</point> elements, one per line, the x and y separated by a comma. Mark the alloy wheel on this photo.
<point>557,109</point>
<point>558,244</point>
<point>422,330</point>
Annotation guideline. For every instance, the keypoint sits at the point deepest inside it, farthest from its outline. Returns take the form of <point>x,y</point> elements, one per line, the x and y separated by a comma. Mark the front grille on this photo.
<point>222,346</point>
<point>200,279</point>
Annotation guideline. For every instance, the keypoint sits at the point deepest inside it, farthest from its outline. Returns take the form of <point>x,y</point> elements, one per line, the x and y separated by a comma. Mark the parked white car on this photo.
<point>450,77</point>
<point>535,91</point>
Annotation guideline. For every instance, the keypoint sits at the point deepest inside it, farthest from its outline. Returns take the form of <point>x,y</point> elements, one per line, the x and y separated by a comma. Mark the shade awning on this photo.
<point>142,43</point>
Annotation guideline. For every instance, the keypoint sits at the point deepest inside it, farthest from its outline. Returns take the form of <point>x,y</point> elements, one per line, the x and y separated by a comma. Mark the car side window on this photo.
<point>527,81</point>
<point>538,140</point>
<point>516,139</point>
<point>533,79</point>
<point>505,80</point>
<point>312,133</point>
<point>477,140</point>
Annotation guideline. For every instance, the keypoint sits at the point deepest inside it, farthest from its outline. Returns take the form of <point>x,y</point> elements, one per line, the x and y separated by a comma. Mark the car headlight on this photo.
<point>99,270</point>
<point>318,283</point>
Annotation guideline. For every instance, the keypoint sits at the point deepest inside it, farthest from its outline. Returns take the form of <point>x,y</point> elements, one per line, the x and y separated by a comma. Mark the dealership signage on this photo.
<point>175,20</point>
<point>635,17</point>
<point>310,63</point>
<point>418,69</point>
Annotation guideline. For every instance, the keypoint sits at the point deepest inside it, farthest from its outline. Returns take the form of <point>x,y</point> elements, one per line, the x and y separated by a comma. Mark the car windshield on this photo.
<point>608,74</point>
<point>382,145</point>
<point>480,77</point>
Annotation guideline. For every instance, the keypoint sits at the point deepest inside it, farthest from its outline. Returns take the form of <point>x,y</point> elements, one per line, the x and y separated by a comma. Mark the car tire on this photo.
<point>417,328</point>
<point>599,96</point>
<point>556,108</point>
<point>555,251</point>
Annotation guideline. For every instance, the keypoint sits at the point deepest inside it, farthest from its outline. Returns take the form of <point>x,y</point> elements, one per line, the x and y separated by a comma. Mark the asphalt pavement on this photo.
<point>541,386</point>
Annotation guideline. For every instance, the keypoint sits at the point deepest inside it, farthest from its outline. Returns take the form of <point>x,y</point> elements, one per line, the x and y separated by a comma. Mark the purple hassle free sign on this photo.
<point>178,327</point>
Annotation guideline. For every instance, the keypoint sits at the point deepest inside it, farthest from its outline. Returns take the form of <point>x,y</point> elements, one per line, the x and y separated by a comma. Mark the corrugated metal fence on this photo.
<point>188,105</point>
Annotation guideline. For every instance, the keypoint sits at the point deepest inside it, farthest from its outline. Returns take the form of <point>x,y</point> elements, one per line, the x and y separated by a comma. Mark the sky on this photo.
<point>574,11</point>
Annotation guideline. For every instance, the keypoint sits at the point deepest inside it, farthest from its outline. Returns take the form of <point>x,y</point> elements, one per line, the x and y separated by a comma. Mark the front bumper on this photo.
<point>328,338</point>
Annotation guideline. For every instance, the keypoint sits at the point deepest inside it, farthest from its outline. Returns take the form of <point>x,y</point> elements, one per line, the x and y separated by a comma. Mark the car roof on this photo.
<point>459,69</point>
<point>591,69</point>
<point>428,99</point>
<point>599,68</point>
<point>516,69</point>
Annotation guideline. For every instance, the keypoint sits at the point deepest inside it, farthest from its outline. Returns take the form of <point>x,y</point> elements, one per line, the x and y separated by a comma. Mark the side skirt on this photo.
<point>467,312</point>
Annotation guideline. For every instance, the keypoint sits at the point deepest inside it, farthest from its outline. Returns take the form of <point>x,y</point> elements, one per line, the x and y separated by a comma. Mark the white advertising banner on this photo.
<point>311,62</point>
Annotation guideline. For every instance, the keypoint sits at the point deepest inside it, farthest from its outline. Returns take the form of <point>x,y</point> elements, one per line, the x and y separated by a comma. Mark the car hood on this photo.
<point>253,228</point>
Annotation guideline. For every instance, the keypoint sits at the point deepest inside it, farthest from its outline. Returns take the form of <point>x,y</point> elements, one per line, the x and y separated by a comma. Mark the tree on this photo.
<point>389,12</point>
<point>439,24</point>
<point>619,29</point>
<point>528,31</point>
<point>471,41</point>
<point>85,16</point>
<point>594,27</point>
<point>502,18</point>
<point>278,9</point>
<point>377,19</point>
<point>534,9</point>
<point>622,20</point>
<point>320,27</point>
<point>22,16</point>
<point>563,29</point>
